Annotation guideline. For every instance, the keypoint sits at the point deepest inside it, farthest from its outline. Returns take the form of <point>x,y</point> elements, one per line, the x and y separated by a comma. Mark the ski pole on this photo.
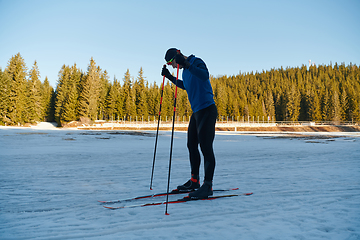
<point>157,132</point>
<point>172,140</point>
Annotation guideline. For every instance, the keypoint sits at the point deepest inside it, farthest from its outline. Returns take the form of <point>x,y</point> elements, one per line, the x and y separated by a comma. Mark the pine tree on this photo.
<point>305,106</point>
<point>220,98</point>
<point>293,105</point>
<point>35,101</point>
<point>167,108</point>
<point>103,93</point>
<point>61,93</point>
<point>335,107</point>
<point>17,72</point>
<point>90,91</point>
<point>48,97</point>
<point>5,90</point>
<point>152,101</point>
<point>141,96</point>
<point>130,106</point>
<point>70,113</point>
<point>76,76</point>
<point>120,110</point>
<point>242,103</point>
<point>315,108</point>
<point>129,97</point>
<point>344,106</point>
<point>326,106</point>
<point>269,105</point>
<point>114,92</point>
<point>231,105</point>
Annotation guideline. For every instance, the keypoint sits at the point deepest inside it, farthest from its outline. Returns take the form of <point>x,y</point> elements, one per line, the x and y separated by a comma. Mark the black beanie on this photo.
<point>170,54</point>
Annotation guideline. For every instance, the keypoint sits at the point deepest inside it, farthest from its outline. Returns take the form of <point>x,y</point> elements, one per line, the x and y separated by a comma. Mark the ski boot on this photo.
<point>203,192</point>
<point>190,185</point>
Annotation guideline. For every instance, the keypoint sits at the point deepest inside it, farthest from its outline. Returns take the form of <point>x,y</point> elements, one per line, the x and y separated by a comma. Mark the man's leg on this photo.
<point>206,139</point>
<point>194,155</point>
<point>192,144</point>
<point>206,120</point>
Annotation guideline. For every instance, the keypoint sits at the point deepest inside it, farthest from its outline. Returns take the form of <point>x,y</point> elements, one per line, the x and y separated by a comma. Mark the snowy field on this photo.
<point>50,181</point>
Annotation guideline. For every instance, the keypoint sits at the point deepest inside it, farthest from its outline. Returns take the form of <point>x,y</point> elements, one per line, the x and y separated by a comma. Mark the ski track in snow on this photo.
<point>50,182</point>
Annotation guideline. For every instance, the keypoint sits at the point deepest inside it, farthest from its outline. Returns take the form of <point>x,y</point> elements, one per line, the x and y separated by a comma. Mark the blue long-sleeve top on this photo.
<point>196,82</point>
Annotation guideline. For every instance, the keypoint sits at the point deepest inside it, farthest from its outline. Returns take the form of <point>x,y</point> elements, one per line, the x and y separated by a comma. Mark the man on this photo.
<point>201,129</point>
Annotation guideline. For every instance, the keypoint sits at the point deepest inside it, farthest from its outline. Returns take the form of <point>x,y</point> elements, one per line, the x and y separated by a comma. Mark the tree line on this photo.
<point>317,93</point>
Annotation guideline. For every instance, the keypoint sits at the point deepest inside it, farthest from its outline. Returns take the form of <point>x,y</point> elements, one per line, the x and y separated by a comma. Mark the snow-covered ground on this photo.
<point>50,181</point>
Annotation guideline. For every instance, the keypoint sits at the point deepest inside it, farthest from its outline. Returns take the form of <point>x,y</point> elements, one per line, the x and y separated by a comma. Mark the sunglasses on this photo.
<point>170,61</point>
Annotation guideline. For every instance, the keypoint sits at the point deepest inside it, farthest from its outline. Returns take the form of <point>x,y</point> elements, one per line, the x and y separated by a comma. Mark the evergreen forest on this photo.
<point>314,93</point>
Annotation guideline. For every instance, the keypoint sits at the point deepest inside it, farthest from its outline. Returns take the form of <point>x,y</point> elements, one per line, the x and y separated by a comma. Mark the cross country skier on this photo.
<point>201,129</point>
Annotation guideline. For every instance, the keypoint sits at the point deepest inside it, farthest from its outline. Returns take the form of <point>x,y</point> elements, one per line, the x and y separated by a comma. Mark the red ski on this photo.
<point>173,192</point>
<point>181,200</point>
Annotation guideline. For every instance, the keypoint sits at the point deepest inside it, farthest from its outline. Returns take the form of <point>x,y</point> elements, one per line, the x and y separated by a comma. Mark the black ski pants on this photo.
<point>201,131</point>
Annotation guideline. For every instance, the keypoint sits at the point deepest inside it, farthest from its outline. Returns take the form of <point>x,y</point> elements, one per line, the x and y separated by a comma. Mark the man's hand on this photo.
<point>165,72</point>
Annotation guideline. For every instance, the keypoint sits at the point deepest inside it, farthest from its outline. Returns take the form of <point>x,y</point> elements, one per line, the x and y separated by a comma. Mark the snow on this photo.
<point>45,125</point>
<point>305,187</point>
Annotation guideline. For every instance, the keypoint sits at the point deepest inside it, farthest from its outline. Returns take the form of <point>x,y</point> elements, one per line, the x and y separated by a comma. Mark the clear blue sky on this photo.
<point>231,36</point>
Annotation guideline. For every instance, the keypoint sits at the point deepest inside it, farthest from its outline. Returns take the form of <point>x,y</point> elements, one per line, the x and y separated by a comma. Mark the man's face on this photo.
<point>174,64</point>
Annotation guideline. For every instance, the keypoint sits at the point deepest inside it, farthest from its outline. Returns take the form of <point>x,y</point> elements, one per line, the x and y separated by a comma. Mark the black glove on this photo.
<point>179,58</point>
<point>165,72</point>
